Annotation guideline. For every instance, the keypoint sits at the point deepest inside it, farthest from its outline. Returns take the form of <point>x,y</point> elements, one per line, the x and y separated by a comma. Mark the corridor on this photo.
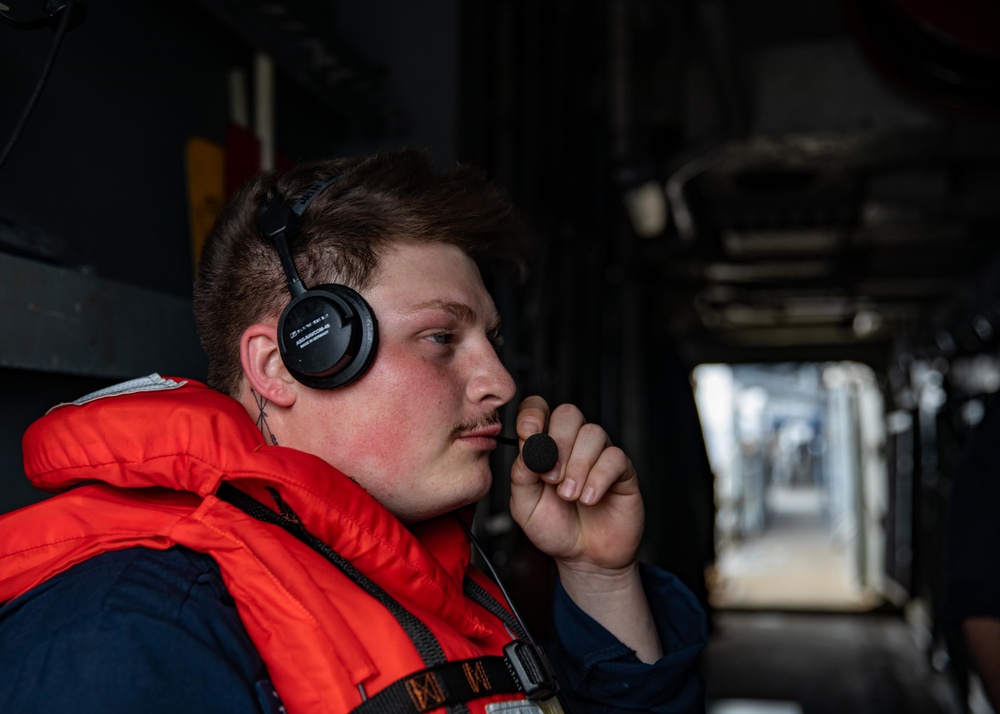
<point>800,663</point>
<point>794,563</point>
<point>794,633</point>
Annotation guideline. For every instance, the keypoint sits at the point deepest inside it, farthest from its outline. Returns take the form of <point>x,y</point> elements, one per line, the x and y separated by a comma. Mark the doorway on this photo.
<point>797,451</point>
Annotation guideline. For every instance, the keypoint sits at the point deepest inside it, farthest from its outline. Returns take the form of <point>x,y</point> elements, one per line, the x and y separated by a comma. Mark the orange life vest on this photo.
<point>148,466</point>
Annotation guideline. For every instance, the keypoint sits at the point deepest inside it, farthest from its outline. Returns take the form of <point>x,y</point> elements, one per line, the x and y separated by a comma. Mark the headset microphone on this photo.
<point>327,335</point>
<point>539,452</point>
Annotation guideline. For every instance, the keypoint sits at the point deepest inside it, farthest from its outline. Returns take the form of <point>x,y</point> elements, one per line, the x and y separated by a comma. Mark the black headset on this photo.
<point>327,335</point>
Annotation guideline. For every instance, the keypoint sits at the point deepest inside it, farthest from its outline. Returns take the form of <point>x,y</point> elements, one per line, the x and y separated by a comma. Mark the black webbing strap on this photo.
<point>423,639</point>
<point>479,595</point>
<point>444,685</point>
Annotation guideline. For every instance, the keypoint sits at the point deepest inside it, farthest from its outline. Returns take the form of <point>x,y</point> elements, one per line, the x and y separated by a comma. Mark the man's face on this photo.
<point>417,429</point>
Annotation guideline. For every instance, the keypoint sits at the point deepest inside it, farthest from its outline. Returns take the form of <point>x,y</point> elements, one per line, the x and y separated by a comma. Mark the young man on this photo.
<point>297,536</point>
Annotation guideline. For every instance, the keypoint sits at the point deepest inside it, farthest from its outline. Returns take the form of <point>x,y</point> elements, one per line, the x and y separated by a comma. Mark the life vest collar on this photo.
<point>190,438</point>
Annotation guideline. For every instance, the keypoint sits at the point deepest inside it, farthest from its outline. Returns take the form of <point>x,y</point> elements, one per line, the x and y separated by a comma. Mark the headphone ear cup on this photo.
<point>327,336</point>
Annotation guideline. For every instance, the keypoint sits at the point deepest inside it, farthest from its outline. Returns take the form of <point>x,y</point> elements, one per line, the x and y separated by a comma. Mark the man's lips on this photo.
<point>484,437</point>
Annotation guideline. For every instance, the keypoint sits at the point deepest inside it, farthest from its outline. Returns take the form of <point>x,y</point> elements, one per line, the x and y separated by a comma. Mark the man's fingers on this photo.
<point>532,416</point>
<point>612,469</point>
<point>589,443</point>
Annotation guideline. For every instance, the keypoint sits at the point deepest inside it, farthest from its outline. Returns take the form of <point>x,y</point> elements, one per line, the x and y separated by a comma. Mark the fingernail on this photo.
<point>531,426</point>
<point>567,488</point>
<point>588,495</point>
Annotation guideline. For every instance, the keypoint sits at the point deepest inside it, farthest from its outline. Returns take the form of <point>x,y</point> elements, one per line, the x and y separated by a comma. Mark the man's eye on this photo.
<point>496,339</point>
<point>442,338</point>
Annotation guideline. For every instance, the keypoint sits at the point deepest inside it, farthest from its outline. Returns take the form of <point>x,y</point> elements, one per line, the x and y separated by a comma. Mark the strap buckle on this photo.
<point>531,670</point>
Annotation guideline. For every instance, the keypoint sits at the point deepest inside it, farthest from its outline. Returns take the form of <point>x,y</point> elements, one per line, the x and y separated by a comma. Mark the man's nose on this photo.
<point>491,381</point>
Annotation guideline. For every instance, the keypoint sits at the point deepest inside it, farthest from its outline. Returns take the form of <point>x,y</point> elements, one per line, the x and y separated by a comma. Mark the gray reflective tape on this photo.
<point>149,383</point>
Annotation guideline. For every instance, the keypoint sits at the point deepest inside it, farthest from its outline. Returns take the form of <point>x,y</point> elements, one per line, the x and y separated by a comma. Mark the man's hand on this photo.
<point>587,514</point>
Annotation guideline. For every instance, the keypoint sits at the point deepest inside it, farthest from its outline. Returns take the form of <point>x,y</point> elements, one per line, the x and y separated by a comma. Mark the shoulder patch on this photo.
<point>149,383</point>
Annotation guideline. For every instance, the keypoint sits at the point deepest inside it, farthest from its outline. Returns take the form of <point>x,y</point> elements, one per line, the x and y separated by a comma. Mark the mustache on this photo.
<point>491,418</point>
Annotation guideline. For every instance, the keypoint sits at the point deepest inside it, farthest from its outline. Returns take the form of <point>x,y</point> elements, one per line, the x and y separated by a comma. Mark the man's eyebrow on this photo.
<point>459,310</point>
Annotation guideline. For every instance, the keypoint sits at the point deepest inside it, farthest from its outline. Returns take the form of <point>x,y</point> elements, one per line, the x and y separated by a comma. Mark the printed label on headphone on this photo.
<point>312,330</point>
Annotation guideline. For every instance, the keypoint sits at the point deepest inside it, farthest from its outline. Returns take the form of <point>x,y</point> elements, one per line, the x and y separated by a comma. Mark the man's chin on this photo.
<point>471,497</point>
<point>446,504</point>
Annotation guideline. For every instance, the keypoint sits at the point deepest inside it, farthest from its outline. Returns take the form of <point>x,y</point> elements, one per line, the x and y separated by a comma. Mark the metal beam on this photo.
<point>66,321</point>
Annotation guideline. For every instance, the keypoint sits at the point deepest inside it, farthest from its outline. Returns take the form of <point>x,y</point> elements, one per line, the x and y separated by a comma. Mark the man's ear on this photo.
<point>263,366</point>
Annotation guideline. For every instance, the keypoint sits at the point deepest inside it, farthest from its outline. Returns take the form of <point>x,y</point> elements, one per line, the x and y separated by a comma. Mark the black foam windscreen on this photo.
<point>540,453</point>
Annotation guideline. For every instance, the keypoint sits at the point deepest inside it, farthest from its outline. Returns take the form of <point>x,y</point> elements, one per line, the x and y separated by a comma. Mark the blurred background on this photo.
<point>765,258</point>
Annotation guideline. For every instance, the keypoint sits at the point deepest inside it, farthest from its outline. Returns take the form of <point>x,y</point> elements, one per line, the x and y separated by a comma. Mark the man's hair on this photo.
<point>377,201</point>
